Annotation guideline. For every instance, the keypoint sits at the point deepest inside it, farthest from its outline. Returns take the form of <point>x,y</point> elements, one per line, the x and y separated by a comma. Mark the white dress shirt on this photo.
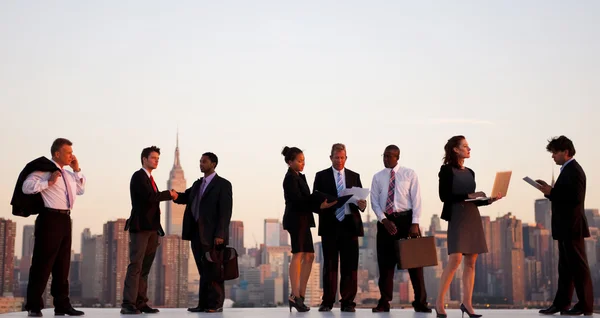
<point>55,196</point>
<point>407,193</point>
<point>335,178</point>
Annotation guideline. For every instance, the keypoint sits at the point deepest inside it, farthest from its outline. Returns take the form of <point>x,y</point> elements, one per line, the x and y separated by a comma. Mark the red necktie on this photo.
<point>153,184</point>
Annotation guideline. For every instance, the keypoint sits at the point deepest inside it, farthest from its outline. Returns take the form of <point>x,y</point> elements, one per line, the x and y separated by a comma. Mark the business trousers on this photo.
<point>142,250</point>
<point>574,274</point>
<point>342,246</point>
<point>211,293</point>
<point>51,254</point>
<point>387,261</point>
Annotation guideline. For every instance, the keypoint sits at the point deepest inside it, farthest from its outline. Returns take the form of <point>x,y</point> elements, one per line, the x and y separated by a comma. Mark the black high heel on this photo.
<point>464,310</point>
<point>297,303</point>
<point>438,315</point>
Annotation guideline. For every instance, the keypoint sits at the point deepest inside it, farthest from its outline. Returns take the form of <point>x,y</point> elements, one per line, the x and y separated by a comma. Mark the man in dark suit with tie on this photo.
<point>206,224</point>
<point>569,228</point>
<point>144,228</point>
<point>339,230</point>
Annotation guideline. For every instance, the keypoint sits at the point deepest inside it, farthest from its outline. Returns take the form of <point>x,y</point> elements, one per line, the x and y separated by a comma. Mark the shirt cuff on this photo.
<point>380,216</point>
<point>79,175</point>
<point>415,220</point>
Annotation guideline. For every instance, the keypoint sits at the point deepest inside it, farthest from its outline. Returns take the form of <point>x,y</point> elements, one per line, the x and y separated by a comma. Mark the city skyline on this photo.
<point>520,268</point>
<point>243,80</point>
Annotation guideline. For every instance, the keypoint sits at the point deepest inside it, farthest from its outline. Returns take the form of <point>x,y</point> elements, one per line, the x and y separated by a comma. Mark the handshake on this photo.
<point>174,194</point>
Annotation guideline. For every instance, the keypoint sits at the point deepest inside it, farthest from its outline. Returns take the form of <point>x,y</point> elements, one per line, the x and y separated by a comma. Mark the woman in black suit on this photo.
<point>297,220</point>
<point>465,230</point>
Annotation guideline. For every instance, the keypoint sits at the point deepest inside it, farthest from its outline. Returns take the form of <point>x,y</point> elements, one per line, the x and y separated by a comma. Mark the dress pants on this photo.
<point>51,254</point>
<point>387,261</point>
<point>142,250</point>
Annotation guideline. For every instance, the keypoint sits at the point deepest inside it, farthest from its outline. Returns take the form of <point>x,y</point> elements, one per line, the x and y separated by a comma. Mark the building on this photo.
<point>92,265</point>
<point>174,212</point>
<point>116,260</point>
<point>236,236</point>
<point>8,233</point>
<point>272,232</point>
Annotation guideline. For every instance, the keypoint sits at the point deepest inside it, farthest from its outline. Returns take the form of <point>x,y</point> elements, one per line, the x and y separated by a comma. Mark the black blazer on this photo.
<point>568,198</point>
<point>145,204</point>
<point>446,177</point>
<point>299,203</point>
<point>328,223</point>
<point>27,204</point>
<point>216,207</point>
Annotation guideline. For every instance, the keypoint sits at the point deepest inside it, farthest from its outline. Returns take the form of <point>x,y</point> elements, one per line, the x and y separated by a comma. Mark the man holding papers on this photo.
<point>569,228</point>
<point>396,200</point>
<point>339,230</point>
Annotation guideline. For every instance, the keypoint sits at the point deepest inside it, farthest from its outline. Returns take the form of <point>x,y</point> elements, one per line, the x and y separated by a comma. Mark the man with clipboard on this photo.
<point>339,228</point>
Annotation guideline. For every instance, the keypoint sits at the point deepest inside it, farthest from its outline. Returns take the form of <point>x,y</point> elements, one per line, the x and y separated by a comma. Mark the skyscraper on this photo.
<point>435,224</point>
<point>272,232</point>
<point>26,252</point>
<point>116,260</point>
<point>543,213</point>
<point>236,236</point>
<point>8,232</point>
<point>174,212</point>
<point>92,266</point>
<point>172,272</point>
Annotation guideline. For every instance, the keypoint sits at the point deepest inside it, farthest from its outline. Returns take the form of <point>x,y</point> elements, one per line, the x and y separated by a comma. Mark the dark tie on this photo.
<point>153,184</point>
<point>389,204</point>
<point>197,199</point>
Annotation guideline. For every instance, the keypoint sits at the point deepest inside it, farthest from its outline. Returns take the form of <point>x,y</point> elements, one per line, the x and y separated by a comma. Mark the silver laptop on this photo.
<point>500,186</point>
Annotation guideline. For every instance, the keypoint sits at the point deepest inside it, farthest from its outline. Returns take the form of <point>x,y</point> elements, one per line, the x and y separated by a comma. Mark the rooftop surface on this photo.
<point>284,312</point>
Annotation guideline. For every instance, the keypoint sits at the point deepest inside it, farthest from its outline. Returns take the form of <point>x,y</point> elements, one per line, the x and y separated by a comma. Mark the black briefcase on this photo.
<point>416,252</point>
<point>222,263</point>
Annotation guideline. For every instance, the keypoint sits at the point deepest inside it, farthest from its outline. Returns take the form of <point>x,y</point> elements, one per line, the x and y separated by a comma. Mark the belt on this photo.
<point>67,212</point>
<point>399,214</point>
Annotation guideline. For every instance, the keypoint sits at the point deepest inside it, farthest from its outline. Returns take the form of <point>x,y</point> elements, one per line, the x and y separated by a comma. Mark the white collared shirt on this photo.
<point>55,196</point>
<point>407,193</point>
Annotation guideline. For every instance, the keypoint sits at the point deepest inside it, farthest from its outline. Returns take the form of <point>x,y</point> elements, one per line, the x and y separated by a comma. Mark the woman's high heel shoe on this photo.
<point>438,315</point>
<point>297,303</point>
<point>464,310</point>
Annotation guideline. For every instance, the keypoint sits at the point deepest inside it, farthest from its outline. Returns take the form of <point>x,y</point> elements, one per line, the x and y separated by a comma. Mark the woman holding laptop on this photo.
<point>465,230</point>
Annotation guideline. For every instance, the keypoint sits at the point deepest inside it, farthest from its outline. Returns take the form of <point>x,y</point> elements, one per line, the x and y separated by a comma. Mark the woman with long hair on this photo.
<point>297,220</point>
<point>466,238</point>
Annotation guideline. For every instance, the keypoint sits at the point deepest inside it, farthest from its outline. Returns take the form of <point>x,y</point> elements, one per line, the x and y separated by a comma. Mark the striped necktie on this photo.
<point>340,213</point>
<point>389,204</point>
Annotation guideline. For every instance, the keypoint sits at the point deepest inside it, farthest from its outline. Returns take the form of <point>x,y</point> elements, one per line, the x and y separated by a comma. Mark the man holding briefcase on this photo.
<point>396,200</point>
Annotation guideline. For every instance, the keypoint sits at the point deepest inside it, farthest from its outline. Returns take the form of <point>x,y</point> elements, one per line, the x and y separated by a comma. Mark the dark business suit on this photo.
<point>569,228</point>
<point>144,228</point>
<point>298,215</point>
<point>214,208</point>
<point>339,239</point>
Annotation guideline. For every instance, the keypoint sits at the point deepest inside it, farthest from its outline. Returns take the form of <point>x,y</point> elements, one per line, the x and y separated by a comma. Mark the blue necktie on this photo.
<point>341,212</point>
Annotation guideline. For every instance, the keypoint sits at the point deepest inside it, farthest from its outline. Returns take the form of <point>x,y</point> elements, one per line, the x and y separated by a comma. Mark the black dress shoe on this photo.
<point>422,308</point>
<point>34,313</point>
<point>214,310</point>
<point>196,309</point>
<point>551,310</point>
<point>576,312</point>
<point>381,309</point>
<point>325,308</point>
<point>69,312</point>
<point>348,309</point>
<point>130,311</point>
<point>149,310</point>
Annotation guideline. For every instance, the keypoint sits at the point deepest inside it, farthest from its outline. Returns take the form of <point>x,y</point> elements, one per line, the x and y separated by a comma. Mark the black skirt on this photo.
<point>301,240</point>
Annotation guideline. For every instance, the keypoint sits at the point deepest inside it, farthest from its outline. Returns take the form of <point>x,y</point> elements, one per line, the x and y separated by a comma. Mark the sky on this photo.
<point>243,79</point>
